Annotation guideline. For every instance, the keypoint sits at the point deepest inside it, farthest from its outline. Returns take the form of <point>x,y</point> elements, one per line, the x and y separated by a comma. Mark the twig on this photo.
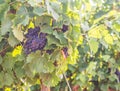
<point>67,82</point>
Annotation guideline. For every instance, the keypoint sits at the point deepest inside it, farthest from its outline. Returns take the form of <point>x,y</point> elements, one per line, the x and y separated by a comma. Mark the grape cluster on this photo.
<point>35,40</point>
<point>64,28</point>
<point>65,50</point>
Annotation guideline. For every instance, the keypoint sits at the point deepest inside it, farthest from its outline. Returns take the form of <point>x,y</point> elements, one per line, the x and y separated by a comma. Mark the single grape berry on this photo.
<point>64,28</point>
<point>117,72</point>
<point>49,51</point>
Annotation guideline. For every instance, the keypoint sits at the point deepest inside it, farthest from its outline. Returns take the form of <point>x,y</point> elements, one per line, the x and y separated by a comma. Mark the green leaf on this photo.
<point>34,2</point>
<point>61,37</point>
<point>106,57</point>
<point>22,11</point>
<point>28,71</point>
<point>113,77</point>
<point>39,64</point>
<point>50,79</point>
<point>43,20</point>
<point>19,71</point>
<point>1,79</point>
<point>91,68</point>
<point>18,33</point>
<point>8,61</point>
<point>56,55</point>
<point>8,80</point>
<point>6,26</point>
<point>3,10</point>
<point>53,40</point>
<point>12,40</point>
<point>21,20</point>
<point>93,45</point>
<point>25,20</point>
<point>116,26</point>
<point>52,11</point>
<point>39,11</point>
<point>82,78</point>
<point>1,1</point>
<point>104,87</point>
<point>46,29</point>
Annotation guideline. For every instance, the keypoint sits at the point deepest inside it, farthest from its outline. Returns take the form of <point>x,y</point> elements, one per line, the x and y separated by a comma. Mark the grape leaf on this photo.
<point>46,29</point>
<point>19,71</point>
<point>50,79</point>
<point>8,80</point>
<point>39,64</point>
<point>52,40</point>
<point>8,59</point>
<point>3,9</point>
<point>22,11</point>
<point>94,32</point>
<point>106,57</point>
<point>18,33</point>
<point>60,36</point>
<point>1,78</point>
<point>28,71</point>
<point>52,11</point>
<point>1,1</point>
<point>93,45</point>
<point>34,2</point>
<point>39,11</point>
<point>43,20</point>
<point>108,39</point>
<point>116,26</point>
<point>6,26</point>
<point>25,20</point>
<point>12,40</point>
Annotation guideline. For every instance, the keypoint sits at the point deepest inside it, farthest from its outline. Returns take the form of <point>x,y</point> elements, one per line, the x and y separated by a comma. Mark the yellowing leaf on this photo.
<point>108,39</point>
<point>93,45</point>
<point>98,31</point>
<point>80,40</point>
<point>7,89</point>
<point>75,54</point>
<point>114,36</point>
<point>17,51</point>
<point>95,33</point>
<point>104,32</point>
<point>31,25</point>
<point>116,26</point>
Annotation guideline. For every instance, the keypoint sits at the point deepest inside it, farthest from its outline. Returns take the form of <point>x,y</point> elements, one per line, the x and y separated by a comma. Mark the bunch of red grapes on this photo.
<point>35,40</point>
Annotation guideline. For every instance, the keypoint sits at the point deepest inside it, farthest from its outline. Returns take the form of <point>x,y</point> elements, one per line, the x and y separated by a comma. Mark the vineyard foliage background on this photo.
<point>89,29</point>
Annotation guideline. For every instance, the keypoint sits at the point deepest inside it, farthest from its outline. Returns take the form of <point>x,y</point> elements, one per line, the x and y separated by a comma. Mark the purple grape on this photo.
<point>64,28</point>
<point>42,35</point>
<point>35,40</point>
<point>32,32</point>
<point>117,72</point>
<point>49,51</point>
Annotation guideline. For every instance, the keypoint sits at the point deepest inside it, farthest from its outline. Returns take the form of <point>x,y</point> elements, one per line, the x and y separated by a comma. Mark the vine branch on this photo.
<point>67,82</point>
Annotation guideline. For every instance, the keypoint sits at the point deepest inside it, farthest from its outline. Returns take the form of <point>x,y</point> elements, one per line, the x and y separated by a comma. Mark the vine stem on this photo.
<point>67,82</point>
